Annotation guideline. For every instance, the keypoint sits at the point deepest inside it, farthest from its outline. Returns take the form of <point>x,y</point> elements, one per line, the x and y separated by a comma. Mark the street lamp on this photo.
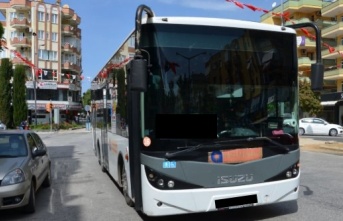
<point>35,83</point>
<point>187,86</point>
<point>34,93</point>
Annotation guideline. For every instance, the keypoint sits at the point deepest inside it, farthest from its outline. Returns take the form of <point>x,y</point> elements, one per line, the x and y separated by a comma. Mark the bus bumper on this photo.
<point>172,202</point>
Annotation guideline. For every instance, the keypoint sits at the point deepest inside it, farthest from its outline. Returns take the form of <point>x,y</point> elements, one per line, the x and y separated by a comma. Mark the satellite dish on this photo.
<point>274,4</point>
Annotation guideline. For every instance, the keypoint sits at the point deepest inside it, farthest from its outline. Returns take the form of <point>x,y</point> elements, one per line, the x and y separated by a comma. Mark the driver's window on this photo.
<point>318,121</point>
<point>31,142</point>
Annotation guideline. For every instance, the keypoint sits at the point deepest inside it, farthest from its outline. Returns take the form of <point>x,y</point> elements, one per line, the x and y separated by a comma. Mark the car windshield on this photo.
<point>12,145</point>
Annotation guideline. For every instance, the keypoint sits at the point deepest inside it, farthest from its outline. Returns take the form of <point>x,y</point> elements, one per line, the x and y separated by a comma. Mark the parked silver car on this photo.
<point>25,166</point>
<point>2,126</point>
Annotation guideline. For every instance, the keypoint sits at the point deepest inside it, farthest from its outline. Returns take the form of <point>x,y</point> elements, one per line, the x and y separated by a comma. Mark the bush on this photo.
<point>61,126</point>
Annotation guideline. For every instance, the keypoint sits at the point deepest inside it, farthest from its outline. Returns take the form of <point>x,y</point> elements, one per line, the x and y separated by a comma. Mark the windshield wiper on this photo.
<point>8,156</point>
<point>221,144</point>
<point>279,146</point>
<point>191,148</point>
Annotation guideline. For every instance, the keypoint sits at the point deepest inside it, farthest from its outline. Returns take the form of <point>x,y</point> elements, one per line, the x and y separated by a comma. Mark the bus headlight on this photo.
<point>289,173</point>
<point>164,182</point>
<point>160,182</point>
<point>171,184</point>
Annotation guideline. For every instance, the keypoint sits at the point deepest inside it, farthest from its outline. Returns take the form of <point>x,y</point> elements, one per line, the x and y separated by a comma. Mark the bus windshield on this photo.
<point>246,80</point>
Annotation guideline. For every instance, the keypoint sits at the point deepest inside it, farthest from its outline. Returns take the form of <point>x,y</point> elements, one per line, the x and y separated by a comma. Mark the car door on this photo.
<point>44,160</point>
<point>319,126</point>
<point>307,124</point>
<point>34,161</point>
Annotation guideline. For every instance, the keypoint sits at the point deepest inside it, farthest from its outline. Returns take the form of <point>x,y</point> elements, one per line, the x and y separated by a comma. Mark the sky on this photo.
<point>105,24</point>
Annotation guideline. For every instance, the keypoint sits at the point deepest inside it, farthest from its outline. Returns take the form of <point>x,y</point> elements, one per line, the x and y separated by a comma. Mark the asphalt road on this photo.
<point>81,192</point>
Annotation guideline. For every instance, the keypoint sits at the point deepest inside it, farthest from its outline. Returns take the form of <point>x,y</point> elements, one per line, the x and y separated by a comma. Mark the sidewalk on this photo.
<point>312,144</point>
<point>81,130</point>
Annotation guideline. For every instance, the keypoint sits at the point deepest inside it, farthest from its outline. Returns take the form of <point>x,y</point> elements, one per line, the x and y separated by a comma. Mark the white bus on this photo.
<point>194,122</point>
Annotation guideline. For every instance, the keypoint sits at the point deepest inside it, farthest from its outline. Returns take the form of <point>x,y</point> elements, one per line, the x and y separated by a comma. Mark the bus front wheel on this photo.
<point>125,187</point>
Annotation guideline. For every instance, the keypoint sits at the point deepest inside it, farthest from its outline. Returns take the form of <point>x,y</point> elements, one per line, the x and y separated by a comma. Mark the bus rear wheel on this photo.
<point>125,187</point>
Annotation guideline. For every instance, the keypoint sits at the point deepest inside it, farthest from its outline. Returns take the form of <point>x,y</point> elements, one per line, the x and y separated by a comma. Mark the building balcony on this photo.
<point>306,6</point>
<point>68,30</point>
<point>17,61</point>
<point>20,4</point>
<point>336,74</point>
<point>69,48</point>
<point>306,43</point>
<point>77,33</point>
<point>324,23</point>
<point>326,54</point>
<point>76,19</point>
<point>305,62</point>
<point>332,9</point>
<point>20,23</point>
<point>333,31</point>
<point>298,21</point>
<point>67,12</point>
<point>71,66</point>
<point>21,42</point>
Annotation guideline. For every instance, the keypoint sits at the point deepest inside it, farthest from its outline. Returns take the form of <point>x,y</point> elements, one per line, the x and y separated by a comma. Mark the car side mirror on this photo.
<point>38,152</point>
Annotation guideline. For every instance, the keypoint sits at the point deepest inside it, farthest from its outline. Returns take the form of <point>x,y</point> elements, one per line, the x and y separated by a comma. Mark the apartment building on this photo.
<point>46,39</point>
<point>328,16</point>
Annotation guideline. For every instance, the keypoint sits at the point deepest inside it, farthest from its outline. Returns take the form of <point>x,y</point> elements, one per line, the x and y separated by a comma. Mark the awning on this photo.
<point>328,103</point>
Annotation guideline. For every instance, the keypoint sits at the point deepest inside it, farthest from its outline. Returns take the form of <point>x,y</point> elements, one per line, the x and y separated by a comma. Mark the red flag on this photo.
<point>331,49</point>
<point>251,7</point>
<point>38,72</point>
<point>239,4</point>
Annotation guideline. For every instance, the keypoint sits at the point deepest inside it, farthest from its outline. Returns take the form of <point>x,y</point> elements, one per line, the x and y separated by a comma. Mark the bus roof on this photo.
<point>220,22</point>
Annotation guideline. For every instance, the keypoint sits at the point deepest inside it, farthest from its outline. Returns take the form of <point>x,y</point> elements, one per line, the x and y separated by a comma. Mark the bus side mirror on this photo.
<point>317,75</point>
<point>138,74</point>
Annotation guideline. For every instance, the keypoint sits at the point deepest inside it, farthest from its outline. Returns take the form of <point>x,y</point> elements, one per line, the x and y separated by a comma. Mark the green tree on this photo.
<point>19,95</point>
<point>6,110</point>
<point>86,98</point>
<point>1,35</point>
<point>309,101</point>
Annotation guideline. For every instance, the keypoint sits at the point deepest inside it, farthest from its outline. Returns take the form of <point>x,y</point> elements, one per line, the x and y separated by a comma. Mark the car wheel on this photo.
<point>333,132</point>
<point>47,180</point>
<point>301,131</point>
<point>31,206</point>
<point>125,187</point>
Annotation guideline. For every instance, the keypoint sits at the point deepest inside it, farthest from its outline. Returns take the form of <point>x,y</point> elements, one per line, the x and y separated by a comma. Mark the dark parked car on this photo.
<point>25,166</point>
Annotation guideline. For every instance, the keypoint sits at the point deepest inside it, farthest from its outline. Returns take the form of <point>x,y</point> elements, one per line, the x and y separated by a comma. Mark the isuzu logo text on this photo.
<point>239,178</point>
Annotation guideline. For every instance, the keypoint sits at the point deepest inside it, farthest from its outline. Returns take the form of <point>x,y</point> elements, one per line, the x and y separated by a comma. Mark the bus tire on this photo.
<point>125,187</point>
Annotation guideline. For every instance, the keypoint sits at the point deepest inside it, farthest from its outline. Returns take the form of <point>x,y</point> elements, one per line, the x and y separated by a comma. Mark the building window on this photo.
<point>47,55</point>
<point>54,36</point>
<point>54,18</point>
<point>13,15</point>
<point>41,35</point>
<point>131,42</point>
<point>40,16</point>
